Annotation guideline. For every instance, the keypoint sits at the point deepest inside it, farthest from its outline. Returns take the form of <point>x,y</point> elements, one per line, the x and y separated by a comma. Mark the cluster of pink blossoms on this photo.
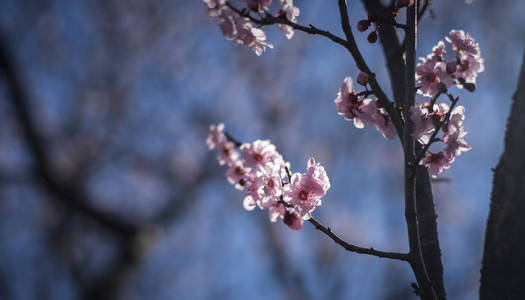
<point>261,171</point>
<point>425,120</point>
<point>239,28</point>
<point>436,75</point>
<point>364,111</point>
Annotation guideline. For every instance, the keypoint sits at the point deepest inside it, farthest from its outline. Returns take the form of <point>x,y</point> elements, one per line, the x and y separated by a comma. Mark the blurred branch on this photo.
<point>69,194</point>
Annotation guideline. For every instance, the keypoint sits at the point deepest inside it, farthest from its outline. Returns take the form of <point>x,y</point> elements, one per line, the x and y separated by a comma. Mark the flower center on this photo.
<point>239,171</point>
<point>228,149</point>
<point>258,157</point>
<point>430,77</point>
<point>303,195</point>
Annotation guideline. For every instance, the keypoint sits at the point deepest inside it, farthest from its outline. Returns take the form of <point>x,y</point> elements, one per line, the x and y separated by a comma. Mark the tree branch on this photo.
<point>354,248</point>
<point>416,257</point>
<point>349,44</point>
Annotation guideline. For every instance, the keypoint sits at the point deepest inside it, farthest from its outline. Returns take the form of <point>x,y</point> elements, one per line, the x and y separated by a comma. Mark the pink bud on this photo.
<point>362,78</point>
<point>471,87</point>
<point>363,25</point>
<point>293,220</point>
<point>372,37</point>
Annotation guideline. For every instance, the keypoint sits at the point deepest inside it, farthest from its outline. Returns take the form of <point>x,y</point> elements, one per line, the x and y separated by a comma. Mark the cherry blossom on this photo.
<point>317,172</point>
<point>214,3</point>
<point>430,73</point>
<point>349,105</point>
<point>436,163</point>
<point>289,12</point>
<point>259,153</point>
<point>238,28</point>
<point>423,122</point>
<point>258,5</point>
<point>272,188</point>
<point>463,43</point>
<point>277,211</point>
<point>469,68</point>
<point>217,140</point>
<point>384,123</point>
<point>305,190</point>
<point>236,174</point>
<point>455,144</point>
<point>216,136</point>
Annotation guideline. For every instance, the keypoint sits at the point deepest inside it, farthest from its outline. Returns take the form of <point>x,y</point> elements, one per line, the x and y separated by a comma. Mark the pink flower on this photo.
<point>348,105</point>
<point>455,144</point>
<point>463,42</point>
<point>276,211</point>
<point>456,118</point>
<point>438,52</point>
<point>436,163</point>
<point>259,153</point>
<point>227,154</point>
<point>384,123</point>
<point>305,190</point>
<point>253,185</point>
<point>272,187</point>
<point>317,172</point>
<point>469,68</point>
<point>289,12</point>
<point>236,174</point>
<point>217,140</point>
<point>258,5</point>
<point>293,220</point>
<point>216,136</point>
<point>429,73</point>
<point>214,3</point>
<point>240,29</point>
<point>423,122</point>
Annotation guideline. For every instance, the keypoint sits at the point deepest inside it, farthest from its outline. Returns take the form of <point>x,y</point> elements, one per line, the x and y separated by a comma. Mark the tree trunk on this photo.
<point>503,269</point>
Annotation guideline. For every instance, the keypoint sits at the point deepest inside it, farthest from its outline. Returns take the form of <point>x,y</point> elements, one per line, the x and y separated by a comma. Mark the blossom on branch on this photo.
<point>364,112</point>
<point>289,12</point>
<point>436,163</point>
<point>263,174</point>
<point>258,5</point>
<point>238,28</point>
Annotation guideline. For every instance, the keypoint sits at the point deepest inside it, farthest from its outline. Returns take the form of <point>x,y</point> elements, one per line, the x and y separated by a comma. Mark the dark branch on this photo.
<point>357,249</point>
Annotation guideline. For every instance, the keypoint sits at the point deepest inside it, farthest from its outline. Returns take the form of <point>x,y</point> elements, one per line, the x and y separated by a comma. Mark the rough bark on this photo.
<point>427,218</point>
<point>503,272</point>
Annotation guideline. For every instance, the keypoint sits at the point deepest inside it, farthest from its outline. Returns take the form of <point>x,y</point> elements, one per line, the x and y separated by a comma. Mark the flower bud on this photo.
<point>372,37</point>
<point>471,87</point>
<point>293,220</point>
<point>362,78</point>
<point>363,25</point>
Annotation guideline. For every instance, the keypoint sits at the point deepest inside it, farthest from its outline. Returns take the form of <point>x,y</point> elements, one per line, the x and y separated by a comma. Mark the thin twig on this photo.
<point>354,248</point>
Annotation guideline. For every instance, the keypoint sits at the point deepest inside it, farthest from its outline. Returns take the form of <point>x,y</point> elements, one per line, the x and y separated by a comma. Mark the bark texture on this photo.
<point>503,269</point>
<point>426,214</point>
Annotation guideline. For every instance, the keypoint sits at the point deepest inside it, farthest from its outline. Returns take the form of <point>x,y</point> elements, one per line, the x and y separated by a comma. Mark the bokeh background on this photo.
<point>122,93</point>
